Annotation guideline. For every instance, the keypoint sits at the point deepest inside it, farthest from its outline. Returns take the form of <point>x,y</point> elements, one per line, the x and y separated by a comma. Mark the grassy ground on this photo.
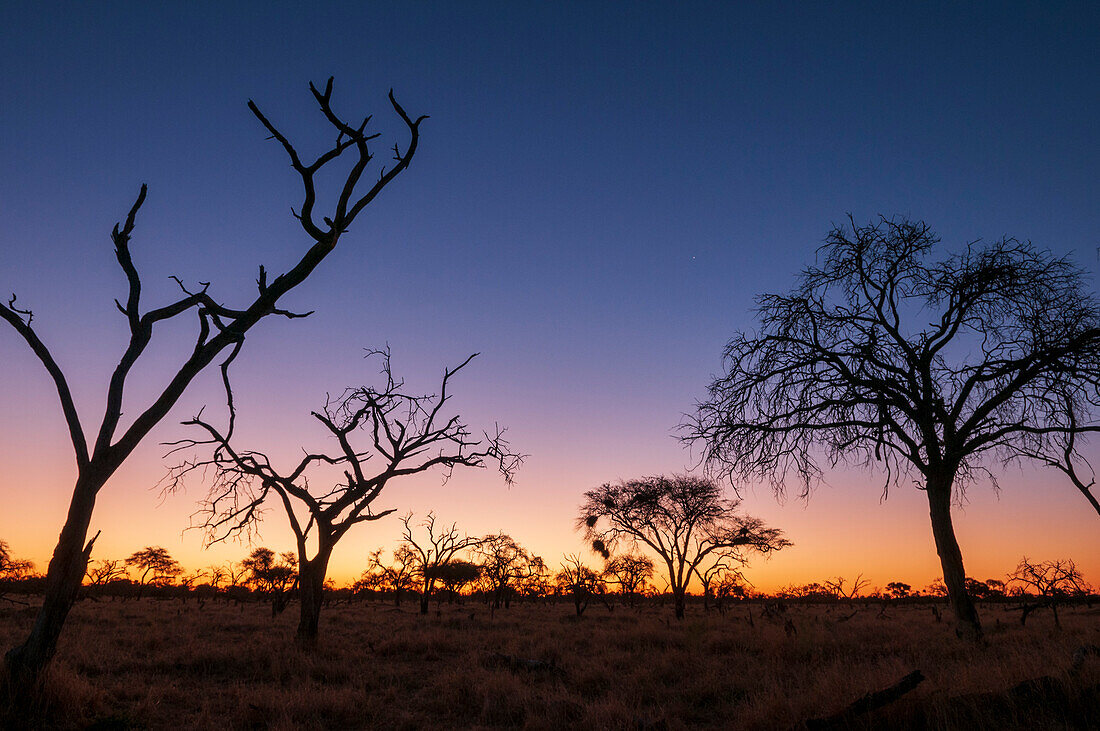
<point>161,664</point>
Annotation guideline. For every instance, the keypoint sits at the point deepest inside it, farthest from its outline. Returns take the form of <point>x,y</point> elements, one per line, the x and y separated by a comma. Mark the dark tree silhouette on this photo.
<point>534,582</point>
<point>272,577</point>
<point>1053,581</point>
<point>683,519</point>
<point>405,434</point>
<point>580,582</point>
<point>916,367</point>
<point>898,589</point>
<point>396,576</point>
<point>504,564</point>
<point>456,574</point>
<point>154,565</point>
<point>729,584</point>
<point>841,589</point>
<point>220,330</point>
<point>11,569</point>
<point>433,551</point>
<point>719,572</point>
<point>630,572</point>
<point>104,572</point>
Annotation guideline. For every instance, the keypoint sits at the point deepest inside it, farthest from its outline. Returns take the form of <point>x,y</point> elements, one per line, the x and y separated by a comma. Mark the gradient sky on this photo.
<point>599,194</point>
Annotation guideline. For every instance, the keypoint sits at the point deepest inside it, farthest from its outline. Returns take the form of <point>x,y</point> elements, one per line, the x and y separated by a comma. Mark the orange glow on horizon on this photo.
<point>842,530</point>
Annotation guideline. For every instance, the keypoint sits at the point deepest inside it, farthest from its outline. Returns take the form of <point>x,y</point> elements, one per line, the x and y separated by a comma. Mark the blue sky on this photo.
<point>600,192</point>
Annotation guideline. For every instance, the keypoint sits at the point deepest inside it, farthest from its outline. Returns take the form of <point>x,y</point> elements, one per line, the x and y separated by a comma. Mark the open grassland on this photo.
<point>161,664</point>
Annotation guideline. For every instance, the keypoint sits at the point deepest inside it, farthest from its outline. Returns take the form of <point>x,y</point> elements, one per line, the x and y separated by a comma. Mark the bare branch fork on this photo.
<point>925,369</point>
<point>434,551</point>
<point>405,434</point>
<point>219,328</point>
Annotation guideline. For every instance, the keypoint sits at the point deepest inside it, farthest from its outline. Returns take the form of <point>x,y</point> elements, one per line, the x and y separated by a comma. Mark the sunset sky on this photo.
<point>599,194</point>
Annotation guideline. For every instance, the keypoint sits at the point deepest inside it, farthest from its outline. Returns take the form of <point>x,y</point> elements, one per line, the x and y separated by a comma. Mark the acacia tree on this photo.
<point>504,564</point>
<point>102,573</point>
<point>714,575</point>
<point>1053,581</point>
<point>433,552</point>
<point>272,577</point>
<point>11,568</point>
<point>405,434</point>
<point>730,584</point>
<point>919,368</point>
<point>154,566</point>
<point>580,582</point>
<point>221,330</point>
<point>396,576</point>
<point>630,571</point>
<point>683,519</point>
<point>456,574</point>
<point>898,589</point>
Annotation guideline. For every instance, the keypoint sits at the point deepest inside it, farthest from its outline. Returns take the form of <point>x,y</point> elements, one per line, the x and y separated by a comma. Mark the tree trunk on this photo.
<point>311,593</point>
<point>424,603</point>
<point>678,602</point>
<point>63,578</point>
<point>967,625</point>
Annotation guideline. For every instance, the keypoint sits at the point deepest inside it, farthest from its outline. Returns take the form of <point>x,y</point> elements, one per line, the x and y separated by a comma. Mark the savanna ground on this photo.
<point>161,663</point>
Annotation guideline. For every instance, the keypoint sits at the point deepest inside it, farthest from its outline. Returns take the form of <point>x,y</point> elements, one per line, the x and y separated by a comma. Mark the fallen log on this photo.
<point>871,701</point>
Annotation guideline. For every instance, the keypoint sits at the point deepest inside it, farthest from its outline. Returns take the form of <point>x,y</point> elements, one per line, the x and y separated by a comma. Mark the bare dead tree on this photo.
<point>1054,582</point>
<point>221,330</point>
<point>683,519</point>
<point>405,434</point>
<point>434,551</point>
<point>914,367</point>
<point>841,589</point>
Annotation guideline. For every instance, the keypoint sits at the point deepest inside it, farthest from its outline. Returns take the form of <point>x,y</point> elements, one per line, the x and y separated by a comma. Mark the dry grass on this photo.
<point>160,664</point>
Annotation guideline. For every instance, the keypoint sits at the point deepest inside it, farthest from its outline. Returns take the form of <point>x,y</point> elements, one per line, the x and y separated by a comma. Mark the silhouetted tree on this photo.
<point>714,574</point>
<point>155,566</point>
<point>729,584</point>
<point>504,563</point>
<point>916,367</point>
<point>534,582</point>
<point>898,589</point>
<point>11,569</point>
<point>396,577</point>
<point>405,434</point>
<point>221,330</point>
<point>100,574</point>
<point>630,572</point>
<point>841,589</point>
<point>433,551</point>
<point>580,582</point>
<point>455,575</point>
<point>1053,581</point>
<point>683,519</point>
<point>272,577</point>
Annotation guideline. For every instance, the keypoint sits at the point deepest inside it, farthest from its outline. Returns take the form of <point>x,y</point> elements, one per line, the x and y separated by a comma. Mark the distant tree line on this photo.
<point>497,571</point>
